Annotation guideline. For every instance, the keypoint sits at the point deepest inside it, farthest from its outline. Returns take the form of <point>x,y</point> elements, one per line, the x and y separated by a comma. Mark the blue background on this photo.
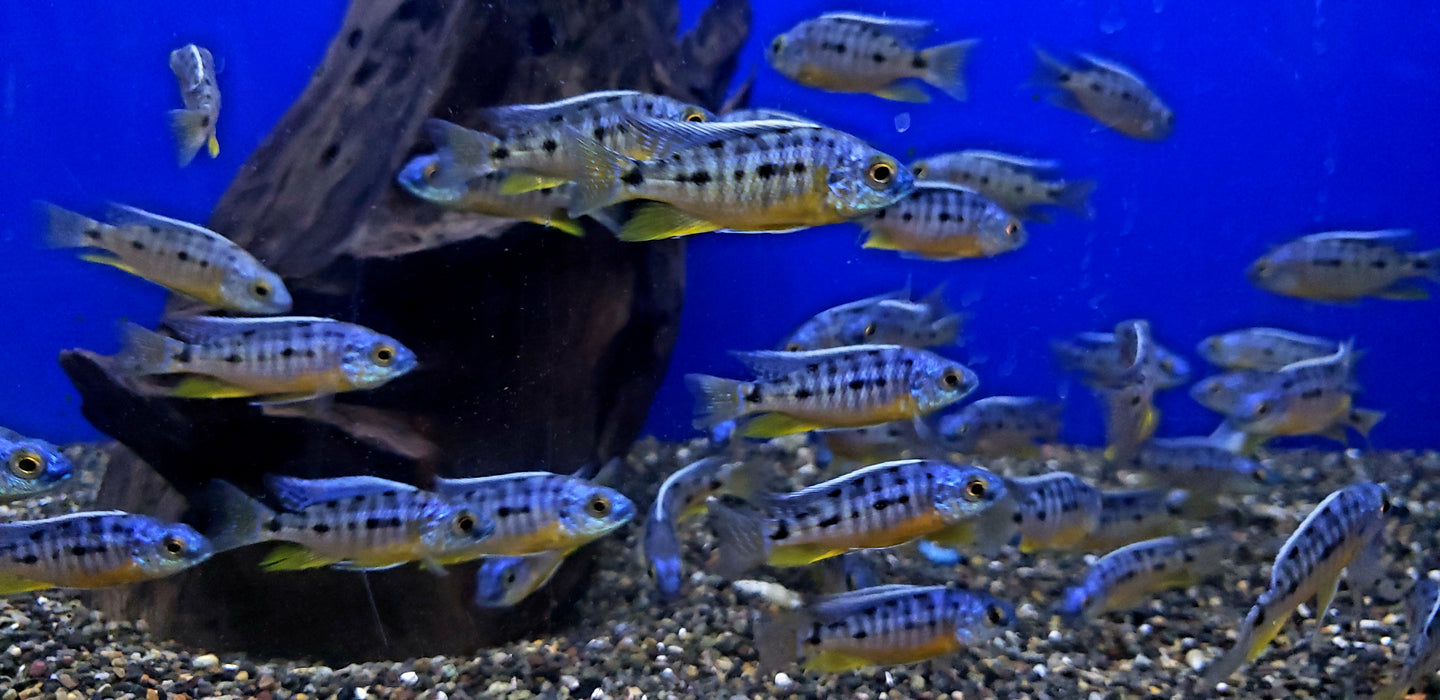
<point>1291,118</point>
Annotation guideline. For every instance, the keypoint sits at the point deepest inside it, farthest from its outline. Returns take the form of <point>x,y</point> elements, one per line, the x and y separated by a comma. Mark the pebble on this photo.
<point>782,681</point>
<point>204,662</point>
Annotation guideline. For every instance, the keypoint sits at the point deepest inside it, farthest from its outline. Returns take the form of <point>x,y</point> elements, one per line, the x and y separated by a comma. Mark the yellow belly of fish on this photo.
<point>259,384</point>
<point>549,538</point>
<point>1143,587</point>
<point>946,248</point>
<point>815,549</point>
<point>130,573</point>
<point>903,407</point>
<point>842,655</point>
<point>1312,417</point>
<point>1067,537</point>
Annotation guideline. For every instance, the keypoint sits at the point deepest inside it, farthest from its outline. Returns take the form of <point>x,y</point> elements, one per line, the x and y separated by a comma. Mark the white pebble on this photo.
<point>204,661</point>
<point>409,678</point>
<point>1040,671</point>
<point>783,681</point>
<point>1195,658</point>
<point>1145,628</point>
<point>1054,636</point>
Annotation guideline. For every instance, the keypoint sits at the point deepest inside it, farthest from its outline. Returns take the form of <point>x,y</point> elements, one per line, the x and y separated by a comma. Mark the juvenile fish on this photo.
<point>502,582</point>
<point>271,360</point>
<point>881,626</point>
<point>182,257</point>
<point>1266,349</point>
<point>1096,357</point>
<point>1132,516</point>
<point>94,550</point>
<point>194,126</point>
<point>884,319</point>
<point>1107,92</point>
<point>682,496</point>
<point>848,387</point>
<point>939,221</point>
<point>1423,658</point>
<point>1341,266</point>
<point>1054,511</point>
<point>537,512</point>
<point>997,426</point>
<point>1302,398</point>
<point>1197,465</point>
<point>1340,535</point>
<point>481,194</point>
<point>846,52</point>
<point>32,466</point>
<point>1015,183</point>
<point>1131,575</point>
<point>879,506</point>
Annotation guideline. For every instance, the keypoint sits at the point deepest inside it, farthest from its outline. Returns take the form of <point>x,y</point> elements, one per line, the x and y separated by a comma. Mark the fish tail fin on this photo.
<point>777,639</point>
<point>145,352</point>
<point>1429,263</point>
<point>191,130</point>
<point>1075,196</point>
<point>716,399</point>
<point>1254,636</point>
<point>739,534</point>
<point>945,66</point>
<point>66,229</point>
<point>946,329</point>
<point>561,221</point>
<point>237,519</point>
<point>462,152</point>
<point>597,185</point>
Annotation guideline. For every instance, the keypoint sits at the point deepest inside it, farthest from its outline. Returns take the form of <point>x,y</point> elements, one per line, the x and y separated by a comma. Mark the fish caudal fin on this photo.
<point>716,399</point>
<point>777,639</point>
<point>1363,420</point>
<point>597,185</point>
<point>237,519</point>
<point>741,539</point>
<point>1075,197</point>
<point>1051,73</point>
<point>1428,263</point>
<point>946,330</point>
<point>945,66</point>
<point>66,229</point>
<point>462,152</point>
<point>146,352</point>
<point>655,221</point>
<point>191,129</point>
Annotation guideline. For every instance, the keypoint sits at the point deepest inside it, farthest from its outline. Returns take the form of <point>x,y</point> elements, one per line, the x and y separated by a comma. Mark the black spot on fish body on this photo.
<point>1096,87</point>
<point>1312,394</point>
<point>634,178</point>
<point>766,170</point>
<point>857,384</point>
<point>1329,262</point>
<point>274,525</point>
<point>137,245</point>
<point>234,359</point>
<point>878,57</point>
<point>320,528</point>
<point>29,559</point>
<point>881,504</point>
<point>364,73</point>
<point>781,532</point>
<point>944,216</point>
<point>700,177</point>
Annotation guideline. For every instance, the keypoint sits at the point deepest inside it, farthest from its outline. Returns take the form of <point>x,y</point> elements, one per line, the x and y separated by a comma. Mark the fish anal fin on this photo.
<point>293,557</point>
<point>772,425</point>
<point>655,221</point>
<point>199,386</point>
<point>902,91</point>
<point>521,181</point>
<point>15,583</point>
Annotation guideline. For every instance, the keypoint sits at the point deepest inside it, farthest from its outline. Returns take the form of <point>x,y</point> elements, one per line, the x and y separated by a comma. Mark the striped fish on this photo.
<point>1132,516</point>
<point>1263,348</point>
<point>996,426</point>
<point>871,444</point>
<point>1127,577</point>
<point>267,360</point>
<point>1015,183</point>
<point>537,512</point>
<point>1343,266</point>
<point>884,319</point>
<point>849,52</point>
<point>939,221</point>
<point>1108,92</point>
<point>1340,535</point>
<point>502,582</point>
<point>32,466</point>
<point>94,550</point>
<point>1423,625</point>
<point>194,126</point>
<point>1303,398</point>
<point>682,496</point>
<point>480,194</point>
<point>1054,511</point>
<point>881,626</point>
<point>1198,465</point>
<point>883,505</point>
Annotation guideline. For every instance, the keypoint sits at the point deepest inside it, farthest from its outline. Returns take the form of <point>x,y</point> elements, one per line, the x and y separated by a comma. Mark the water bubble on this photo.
<point>902,122</point>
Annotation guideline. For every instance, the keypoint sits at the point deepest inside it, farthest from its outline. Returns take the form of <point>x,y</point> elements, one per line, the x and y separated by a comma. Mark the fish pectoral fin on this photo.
<point>561,221</point>
<point>293,557</point>
<point>772,425</point>
<point>214,146</point>
<point>1324,596</point>
<point>521,181</point>
<point>105,257</point>
<point>957,535</point>
<point>199,386</point>
<point>654,221</point>
<point>15,583</point>
<point>1403,291</point>
<point>902,91</point>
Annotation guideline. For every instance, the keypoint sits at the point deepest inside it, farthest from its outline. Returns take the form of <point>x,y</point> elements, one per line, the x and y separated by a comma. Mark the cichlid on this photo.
<point>94,550</point>
<point>1127,577</point>
<point>884,319</point>
<point>1341,266</point>
<point>1015,183</point>
<point>358,523</point>
<point>480,194</point>
<point>194,126</point>
<point>1053,511</point>
<point>537,512</point>
<point>1340,535</point>
<point>1127,517</point>
<point>536,143</point>
<point>1266,349</point>
<point>997,426</point>
<point>32,466</point>
<point>876,443</point>
<point>1423,658</point>
<point>756,114</point>
<point>846,52</point>
<point>847,387</point>
<point>1096,357</point>
<point>1306,397</point>
<point>270,360</point>
<point>182,257</point>
<point>939,221</point>
<point>1198,465</point>
<point>1107,92</point>
<point>883,505</point>
<point>762,176</point>
<point>682,496</point>
<point>501,582</point>
<point>1130,413</point>
<point>881,626</point>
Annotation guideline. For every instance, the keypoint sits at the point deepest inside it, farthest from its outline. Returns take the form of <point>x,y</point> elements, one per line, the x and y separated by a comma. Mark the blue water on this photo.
<point>1291,118</point>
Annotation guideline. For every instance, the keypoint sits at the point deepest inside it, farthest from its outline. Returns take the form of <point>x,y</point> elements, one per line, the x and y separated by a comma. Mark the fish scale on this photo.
<point>536,512</point>
<point>95,549</point>
<point>938,221</point>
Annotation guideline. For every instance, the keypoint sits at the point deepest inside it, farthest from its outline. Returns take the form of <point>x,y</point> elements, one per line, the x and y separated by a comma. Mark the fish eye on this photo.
<point>430,170</point>
<point>995,614</point>
<point>261,289</point>
<point>1262,408</point>
<point>26,464</point>
<point>881,173</point>
<point>792,347</point>
<point>869,330</point>
<point>976,489</point>
<point>382,355</point>
<point>173,545</point>
<point>952,378</point>
<point>510,577</point>
<point>598,506</point>
<point>1384,504</point>
<point>918,169</point>
<point>695,115</point>
<point>1167,365</point>
<point>1012,228</point>
<point>465,523</point>
<point>778,44</point>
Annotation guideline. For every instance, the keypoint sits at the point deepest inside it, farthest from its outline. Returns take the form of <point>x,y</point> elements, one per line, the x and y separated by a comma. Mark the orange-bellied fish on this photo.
<point>94,550</point>
<point>849,387</point>
<point>480,194</point>
<point>194,126</point>
<point>996,426</point>
<point>683,495</point>
<point>1340,535</point>
<point>1131,516</point>
<point>31,466</point>
<point>1340,266</point>
<point>1422,621</point>
<point>537,512</point>
<point>848,52</point>
<point>501,581</point>
<point>1015,183</point>
<point>1266,349</point>
<point>1053,511</point>
<point>940,221</point>
<point>182,257</point>
<point>1127,577</point>
<point>1198,465</point>
<point>883,505</point>
<point>885,319</point>
<point>1107,92</point>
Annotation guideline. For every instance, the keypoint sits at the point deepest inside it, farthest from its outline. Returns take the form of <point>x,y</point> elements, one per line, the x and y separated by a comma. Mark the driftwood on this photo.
<point>537,349</point>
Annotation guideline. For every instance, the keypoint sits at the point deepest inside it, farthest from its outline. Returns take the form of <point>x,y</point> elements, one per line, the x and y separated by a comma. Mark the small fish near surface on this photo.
<point>270,360</point>
<point>1267,349</point>
<point>1127,577</point>
<point>1422,624</point>
<point>996,426</point>
<point>31,466</point>
<point>880,506</point>
<point>1344,266</point>
<point>1015,183</point>
<point>940,221</point>
<point>537,512</point>
<point>682,496</point>
<point>1108,92</point>
<point>880,626</point>
<point>1340,535</point>
<point>194,126</point>
<point>182,257</point>
<point>885,319</point>
<point>94,550</point>
<point>480,194</point>
<point>848,387</point>
<point>502,582</point>
<point>854,53</point>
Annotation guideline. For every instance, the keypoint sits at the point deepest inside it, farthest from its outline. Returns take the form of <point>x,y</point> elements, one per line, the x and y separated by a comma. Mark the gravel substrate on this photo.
<point>625,645</point>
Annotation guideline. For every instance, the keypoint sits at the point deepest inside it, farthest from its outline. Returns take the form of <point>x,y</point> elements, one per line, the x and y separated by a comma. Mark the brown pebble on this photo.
<point>37,669</point>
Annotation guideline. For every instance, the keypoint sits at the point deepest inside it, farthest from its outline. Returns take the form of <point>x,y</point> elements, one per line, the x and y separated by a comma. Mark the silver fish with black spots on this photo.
<point>1422,623</point>
<point>194,126</point>
<point>848,52</point>
<point>1198,465</point>
<point>884,319</point>
<point>940,221</point>
<point>1131,575</point>
<point>1018,184</point>
<point>1267,349</point>
<point>997,426</point>
<point>1130,413</point>
<point>1306,397</point>
<point>94,550</point>
<point>480,194</point>
<point>502,582</point>
<point>1342,266</point>
<point>31,466</point>
<point>682,496</point>
<point>1107,92</point>
<point>538,512</point>
<point>1131,516</point>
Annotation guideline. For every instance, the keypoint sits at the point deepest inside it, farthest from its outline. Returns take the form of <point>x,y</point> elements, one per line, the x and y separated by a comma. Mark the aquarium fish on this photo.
<point>268,360</point>
<point>1096,357</point>
<point>882,505</point>
<point>880,626</point>
<point>846,52</point>
<point>1108,92</point>
<point>501,582</point>
<point>683,495</point>
<point>1423,658</point>
<point>480,194</point>
<point>1340,266</point>
<point>1266,349</point>
<point>536,512</point>
<point>1310,396</point>
<point>182,257</point>
<point>875,443</point>
<point>940,221</point>
<point>847,387</point>
<point>32,466</point>
<point>997,426</point>
<point>1131,575</point>
<point>360,523</point>
<point>94,550</point>
<point>1054,511</point>
<point>755,114</point>
<point>1131,516</point>
<point>758,177</point>
<point>885,319</point>
<point>194,126</point>
<point>1199,465</point>
<point>1130,413</point>
<point>1340,535</point>
<point>1015,183</point>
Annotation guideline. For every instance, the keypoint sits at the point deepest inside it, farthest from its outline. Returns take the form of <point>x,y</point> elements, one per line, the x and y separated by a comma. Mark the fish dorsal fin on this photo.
<point>774,364</point>
<point>10,532</point>
<point>124,215</point>
<point>458,488</point>
<point>1034,166</point>
<point>1108,66</point>
<point>657,138</point>
<point>194,329</point>
<point>510,118</point>
<point>296,493</point>
<point>908,31</point>
<point>1393,235</point>
<point>846,603</point>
